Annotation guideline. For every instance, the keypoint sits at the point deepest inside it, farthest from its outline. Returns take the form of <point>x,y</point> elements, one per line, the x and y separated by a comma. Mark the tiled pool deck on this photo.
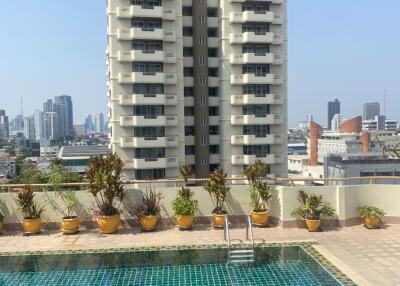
<point>369,257</point>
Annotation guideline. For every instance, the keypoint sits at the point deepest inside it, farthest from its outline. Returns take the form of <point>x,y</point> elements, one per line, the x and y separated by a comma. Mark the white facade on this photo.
<point>40,133</point>
<point>152,78</point>
<point>336,122</point>
<point>29,128</point>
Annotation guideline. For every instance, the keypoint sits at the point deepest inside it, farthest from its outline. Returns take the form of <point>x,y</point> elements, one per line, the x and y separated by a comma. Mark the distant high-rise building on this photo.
<point>40,131</point>
<point>62,106</point>
<point>336,122</point>
<point>4,127</point>
<point>89,125</point>
<point>29,128</point>
<point>333,108</point>
<point>370,110</point>
<point>69,116</point>
<point>52,126</point>
<point>48,106</point>
<point>17,124</point>
<point>99,123</point>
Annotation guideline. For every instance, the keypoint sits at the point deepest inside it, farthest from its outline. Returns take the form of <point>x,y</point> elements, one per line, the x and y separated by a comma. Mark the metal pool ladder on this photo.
<point>238,253</point>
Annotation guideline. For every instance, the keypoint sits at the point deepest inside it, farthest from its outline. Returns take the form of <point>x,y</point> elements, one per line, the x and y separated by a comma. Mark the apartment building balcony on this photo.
<point>253,37</point>
<point>146,12</point>
<point>251,78</point>
<point>252,16</point>
<point>256,140</point>
<point>268,119</point>
<point>147,56</point>
<point>149,142</point>
<point>250,159</point>
<point>148,77</point>
<point>253,58</point>
<point>162,120</point>
<point>148,99</point>
<point>151,163</point>
<point>245,99</point>
<point>146,34</point>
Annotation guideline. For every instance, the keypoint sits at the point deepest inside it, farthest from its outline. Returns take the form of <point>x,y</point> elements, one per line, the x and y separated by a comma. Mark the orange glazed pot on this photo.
<point>32,225</point>
<point>260,218</point>
<point>70,225</point>
<point>218,220</point>
<point>371,222</point>
<point>313,225</point>
<point>184,221</point>
<point>108,224</point>
<point>148,223</point>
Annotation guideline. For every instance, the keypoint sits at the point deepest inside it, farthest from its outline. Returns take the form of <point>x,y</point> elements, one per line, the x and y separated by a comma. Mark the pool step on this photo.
<point>240,256</point>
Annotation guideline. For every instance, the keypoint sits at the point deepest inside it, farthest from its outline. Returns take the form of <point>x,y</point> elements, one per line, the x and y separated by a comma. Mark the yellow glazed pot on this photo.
<point>108,224</point>
<point>32,226</point>
<point>70,225</point>
<point>184,221</point>
<point>260,218</point>
<point>148,223</point>
<point>371,222</point>
<point>218,220</point>
<point>313,225</point>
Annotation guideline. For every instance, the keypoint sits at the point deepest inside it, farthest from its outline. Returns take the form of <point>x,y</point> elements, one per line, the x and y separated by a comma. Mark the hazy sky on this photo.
<point>345,49</point>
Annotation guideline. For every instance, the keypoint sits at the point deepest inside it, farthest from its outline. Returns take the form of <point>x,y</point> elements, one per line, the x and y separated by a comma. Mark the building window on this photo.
<point>189,150</point>
<point>189,111</point>
<point>213,111</point>
<point>202,40</point>
<point>187,51</point>
<point>204,161</point>
<point>202,19</point>
<point>187,31</point>
<point>189,130</point>
<point>203,121</point>
<point>187,10</point>
<point>202,61</point>
<point>203,101</point>
<point>188,91</point>
<point>203,140</point>
<point>202,81</point>
<point>188,72</point>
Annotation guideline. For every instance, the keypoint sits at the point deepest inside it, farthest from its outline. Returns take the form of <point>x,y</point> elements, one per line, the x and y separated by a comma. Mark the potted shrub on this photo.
<point>371,215</point>
<point>104,174</point>
<point>185,208</point>
<point>184,205</point>
<point>260,192</point>
<point>31,211</point>
<point>148,209</point>
<point>311,208</point>
<point>69,222</point>
<point>216,186</point>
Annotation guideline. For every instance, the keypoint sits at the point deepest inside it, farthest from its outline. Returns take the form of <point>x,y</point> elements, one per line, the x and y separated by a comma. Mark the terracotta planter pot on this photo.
<point>313,225</point>
<point>32,226</point>
<point>108,224</point>
<point>184,221</point>
<point>70,225</point>
<point>148,223</point>
<point>260,218</point>
<point>371,222</point>
<point>218,220</point>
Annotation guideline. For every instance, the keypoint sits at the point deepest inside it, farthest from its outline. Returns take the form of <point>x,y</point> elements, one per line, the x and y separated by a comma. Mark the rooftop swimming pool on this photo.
<point>196,265</point>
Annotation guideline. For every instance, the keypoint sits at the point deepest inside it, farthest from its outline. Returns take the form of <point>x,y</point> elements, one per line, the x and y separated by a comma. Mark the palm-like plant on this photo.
<point>217,188</point>
<point>27,205</point>
<point>260,192</point>
<point>312,207</point>
<point>104,174</point>
<point>150,205</point>
<point>185,172</point>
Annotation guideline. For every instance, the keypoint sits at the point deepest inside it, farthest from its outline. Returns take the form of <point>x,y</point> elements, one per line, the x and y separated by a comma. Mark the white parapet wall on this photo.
<point>345,199</point>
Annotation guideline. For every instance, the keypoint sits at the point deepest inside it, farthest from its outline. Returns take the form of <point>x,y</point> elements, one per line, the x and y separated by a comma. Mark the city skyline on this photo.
<point>346,68</point>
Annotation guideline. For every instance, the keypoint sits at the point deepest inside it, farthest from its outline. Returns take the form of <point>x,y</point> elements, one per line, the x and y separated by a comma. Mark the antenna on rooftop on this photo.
<point>384,102</point>
<point>22,111</point>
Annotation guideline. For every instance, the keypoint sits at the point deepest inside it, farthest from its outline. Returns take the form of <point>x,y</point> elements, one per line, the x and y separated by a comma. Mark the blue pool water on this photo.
<point>274,266</point>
